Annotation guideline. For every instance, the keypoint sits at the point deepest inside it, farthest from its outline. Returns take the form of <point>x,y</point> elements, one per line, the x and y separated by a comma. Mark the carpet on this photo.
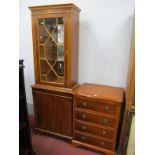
<point>47,145</point>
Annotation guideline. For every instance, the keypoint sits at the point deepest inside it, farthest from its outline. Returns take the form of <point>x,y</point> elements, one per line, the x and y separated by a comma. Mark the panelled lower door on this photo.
<point>53,112</point>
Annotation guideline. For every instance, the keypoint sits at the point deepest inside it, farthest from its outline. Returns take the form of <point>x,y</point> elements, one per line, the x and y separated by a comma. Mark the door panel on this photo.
<point>54,112</point>
<point>51,47</point>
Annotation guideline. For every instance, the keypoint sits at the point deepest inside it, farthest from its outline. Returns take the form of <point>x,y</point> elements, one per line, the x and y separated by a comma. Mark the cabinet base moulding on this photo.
<point>52,134</point>
<point>92,147</point>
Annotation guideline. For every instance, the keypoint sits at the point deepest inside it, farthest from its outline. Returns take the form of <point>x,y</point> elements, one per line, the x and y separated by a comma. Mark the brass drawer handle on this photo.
<point>83,127</point>
<point>84,116</point>
<point>84,104</point>
<point>83,138</point>
<point>106,108</point>
<point>103,133</point>
<point>102,143</point>
<point>105,120</point>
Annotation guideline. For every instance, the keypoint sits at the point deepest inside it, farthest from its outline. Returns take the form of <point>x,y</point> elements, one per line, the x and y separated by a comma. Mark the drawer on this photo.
<point>93,118</point>
<point>101,132</point>
<point>97,106</point>
<point>93,141</point>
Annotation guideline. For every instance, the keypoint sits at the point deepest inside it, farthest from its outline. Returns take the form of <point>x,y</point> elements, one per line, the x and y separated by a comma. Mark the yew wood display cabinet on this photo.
<point>96,117</point>
<point>55,31</point>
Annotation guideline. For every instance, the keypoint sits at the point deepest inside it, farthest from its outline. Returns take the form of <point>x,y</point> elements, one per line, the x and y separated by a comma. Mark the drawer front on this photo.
<point>93,141</point>
<point>94,130</point>
<point>97,106</point>
<point>92,118</point>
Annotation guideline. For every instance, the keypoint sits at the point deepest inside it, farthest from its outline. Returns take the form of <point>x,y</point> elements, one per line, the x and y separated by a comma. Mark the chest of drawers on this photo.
<point>96,115</point>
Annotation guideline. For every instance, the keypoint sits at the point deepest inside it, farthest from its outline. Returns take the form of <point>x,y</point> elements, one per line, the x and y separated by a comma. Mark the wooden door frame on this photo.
<point>130,91</point>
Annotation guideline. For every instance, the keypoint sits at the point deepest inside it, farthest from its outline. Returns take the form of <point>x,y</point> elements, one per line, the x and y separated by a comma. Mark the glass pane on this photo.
<point>51,76</point>
<point>51,51</point>
<point>51,47</point>
<point>44,66</point>
<point>60,53</point>
<point>59,68</point>
<point>43,77</point>
<point>50,24</point>
<point>42,51</point>
<point>43,34</point>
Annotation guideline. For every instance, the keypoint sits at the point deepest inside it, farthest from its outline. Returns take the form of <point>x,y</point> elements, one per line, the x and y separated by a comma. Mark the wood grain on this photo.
<point>95,126</point>
<point>93,129</point>
<point>94,118</point>
<point>101,92</point>
<point>70,13</point>
<point>98,106</point>
<point>54,112</point>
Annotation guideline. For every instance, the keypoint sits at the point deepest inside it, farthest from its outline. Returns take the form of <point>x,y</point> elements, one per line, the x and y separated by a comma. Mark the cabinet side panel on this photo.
<point>75,47</point>
<point>68,51</point>
<point>34,36</point>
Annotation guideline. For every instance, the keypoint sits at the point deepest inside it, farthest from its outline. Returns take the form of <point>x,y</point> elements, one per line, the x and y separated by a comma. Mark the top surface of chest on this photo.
<point>100,92</point>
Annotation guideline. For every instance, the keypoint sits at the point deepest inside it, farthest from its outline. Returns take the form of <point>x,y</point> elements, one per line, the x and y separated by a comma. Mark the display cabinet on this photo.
<point>55,31</point>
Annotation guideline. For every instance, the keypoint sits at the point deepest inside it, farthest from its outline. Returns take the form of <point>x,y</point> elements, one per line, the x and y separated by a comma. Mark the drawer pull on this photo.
<point>105,120</point>
<point>84,116</point>
<point>106,108</point>
<point>83,138</point>
<point>103,133</point>
<point>84,104</point>
<point>102,143</point>
<point>83,127</point>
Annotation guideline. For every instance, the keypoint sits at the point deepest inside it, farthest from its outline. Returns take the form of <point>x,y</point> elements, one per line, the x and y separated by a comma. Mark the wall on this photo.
<point>104,43</point>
